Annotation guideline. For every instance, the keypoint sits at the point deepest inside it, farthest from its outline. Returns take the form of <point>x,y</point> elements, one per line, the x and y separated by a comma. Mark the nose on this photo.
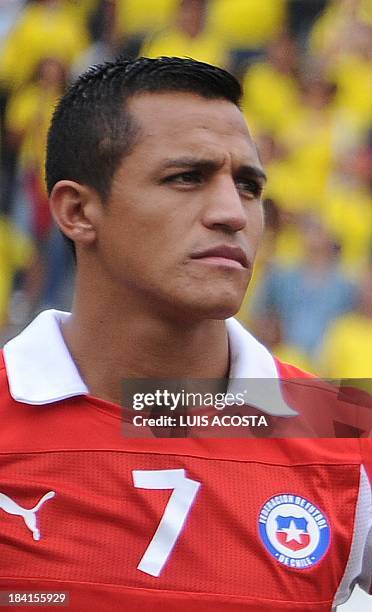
<point>223,206</point>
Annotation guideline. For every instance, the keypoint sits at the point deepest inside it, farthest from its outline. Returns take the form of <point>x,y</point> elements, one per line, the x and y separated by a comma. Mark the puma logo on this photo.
<point>29,515</point>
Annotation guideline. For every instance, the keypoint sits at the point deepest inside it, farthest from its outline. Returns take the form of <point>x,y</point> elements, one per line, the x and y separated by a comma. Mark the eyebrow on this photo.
<point>210,165</point>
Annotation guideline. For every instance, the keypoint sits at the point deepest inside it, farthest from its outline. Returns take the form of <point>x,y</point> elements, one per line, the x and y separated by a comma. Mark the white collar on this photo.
<point>40,368</point>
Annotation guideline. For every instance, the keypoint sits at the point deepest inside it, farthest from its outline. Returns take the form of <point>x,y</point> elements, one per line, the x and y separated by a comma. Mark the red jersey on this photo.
<point>161,524</point>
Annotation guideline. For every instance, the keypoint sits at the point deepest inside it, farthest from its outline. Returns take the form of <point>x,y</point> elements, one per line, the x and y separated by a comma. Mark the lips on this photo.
<point>224,252</point>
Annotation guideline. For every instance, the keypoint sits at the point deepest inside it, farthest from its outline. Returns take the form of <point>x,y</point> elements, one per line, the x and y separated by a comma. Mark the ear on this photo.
<point>76,209</point>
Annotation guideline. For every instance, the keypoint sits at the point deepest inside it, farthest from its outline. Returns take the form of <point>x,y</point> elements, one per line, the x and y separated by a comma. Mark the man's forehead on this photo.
<point>186,119</point>
<point>156,111</point>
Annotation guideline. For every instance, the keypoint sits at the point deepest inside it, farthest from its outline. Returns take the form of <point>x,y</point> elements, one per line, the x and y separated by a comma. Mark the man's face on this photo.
<point>184,217</point>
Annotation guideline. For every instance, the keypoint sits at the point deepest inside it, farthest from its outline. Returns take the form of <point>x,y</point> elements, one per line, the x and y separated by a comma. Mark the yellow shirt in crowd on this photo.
<point>204,47</point>
<point>347,212</point>
<point>243,23</point>
<point>347,348</point>
<point>142,16</point>
<point>172,42</point>
<point>40,32</point>
<point>16,252</point>
<point>353,77</point>
<point>29,113</point>
<point>269,98</point>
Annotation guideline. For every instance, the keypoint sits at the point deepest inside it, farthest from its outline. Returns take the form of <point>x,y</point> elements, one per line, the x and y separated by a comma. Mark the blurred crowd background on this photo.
<point>306,70</point>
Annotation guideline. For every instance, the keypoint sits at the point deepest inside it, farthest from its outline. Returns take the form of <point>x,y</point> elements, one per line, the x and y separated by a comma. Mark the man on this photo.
<point>154,177</point>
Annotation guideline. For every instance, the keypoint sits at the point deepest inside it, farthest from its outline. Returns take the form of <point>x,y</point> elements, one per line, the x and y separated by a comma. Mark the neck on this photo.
<point>110,344</point>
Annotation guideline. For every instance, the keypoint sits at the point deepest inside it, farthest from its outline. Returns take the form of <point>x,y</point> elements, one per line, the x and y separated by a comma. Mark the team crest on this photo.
<point>294,531</point>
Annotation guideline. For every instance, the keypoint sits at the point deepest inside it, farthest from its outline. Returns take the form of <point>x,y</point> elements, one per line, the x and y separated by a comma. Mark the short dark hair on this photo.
<point>92,131</point>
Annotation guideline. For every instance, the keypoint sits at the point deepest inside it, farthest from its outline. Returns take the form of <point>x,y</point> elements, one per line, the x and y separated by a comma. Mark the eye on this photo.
<point>249,187</point>
<point>192,177</point>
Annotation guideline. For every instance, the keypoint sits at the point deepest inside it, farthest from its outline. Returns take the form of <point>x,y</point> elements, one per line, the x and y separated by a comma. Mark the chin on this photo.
<point>206,301</point>
<point>223,312</point>
<point>218,308</point>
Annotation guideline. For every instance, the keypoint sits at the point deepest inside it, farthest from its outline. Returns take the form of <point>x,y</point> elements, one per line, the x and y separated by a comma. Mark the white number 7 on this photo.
<point>174,517</point>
